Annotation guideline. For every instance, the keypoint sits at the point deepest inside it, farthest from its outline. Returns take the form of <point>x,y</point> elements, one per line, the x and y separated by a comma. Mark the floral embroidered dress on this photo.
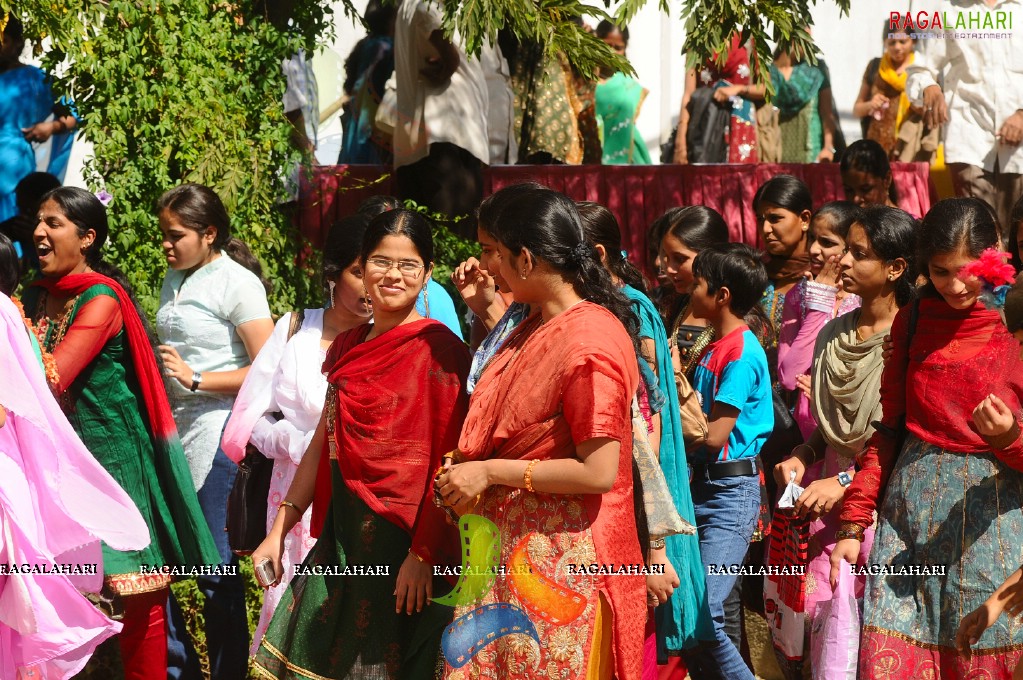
<point>551,387</point>
<point>950,500</point>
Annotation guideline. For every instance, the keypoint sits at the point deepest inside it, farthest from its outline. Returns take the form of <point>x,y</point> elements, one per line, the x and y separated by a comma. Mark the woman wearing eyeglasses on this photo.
<point>395,404</point>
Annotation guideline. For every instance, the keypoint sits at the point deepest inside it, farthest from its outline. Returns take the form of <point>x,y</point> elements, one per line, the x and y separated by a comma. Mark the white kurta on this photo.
<point>286,379</point>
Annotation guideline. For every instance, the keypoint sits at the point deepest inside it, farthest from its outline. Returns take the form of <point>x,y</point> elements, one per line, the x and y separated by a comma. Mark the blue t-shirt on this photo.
<point>733,371</point>
<point>442,307</point>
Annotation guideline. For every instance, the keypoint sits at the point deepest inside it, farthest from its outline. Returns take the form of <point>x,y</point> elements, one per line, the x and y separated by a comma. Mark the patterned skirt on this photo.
<point>338,626</point>
<point>959,513</point>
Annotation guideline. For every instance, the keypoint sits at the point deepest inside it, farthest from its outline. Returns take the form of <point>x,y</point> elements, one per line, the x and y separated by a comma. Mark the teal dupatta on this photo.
<point>685,619</point>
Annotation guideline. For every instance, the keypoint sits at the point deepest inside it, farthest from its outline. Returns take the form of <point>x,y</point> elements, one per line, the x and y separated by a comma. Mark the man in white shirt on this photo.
<point>440,139</point>
<point>982,101</point>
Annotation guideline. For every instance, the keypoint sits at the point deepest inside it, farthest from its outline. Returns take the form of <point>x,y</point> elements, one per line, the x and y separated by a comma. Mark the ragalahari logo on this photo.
<point>961,20</point>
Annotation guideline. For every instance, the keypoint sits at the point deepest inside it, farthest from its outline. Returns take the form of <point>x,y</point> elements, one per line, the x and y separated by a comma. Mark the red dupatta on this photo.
<point>956,358</point>
<point>400,404</point>
<point>517,411</point>
<point>154,394</point>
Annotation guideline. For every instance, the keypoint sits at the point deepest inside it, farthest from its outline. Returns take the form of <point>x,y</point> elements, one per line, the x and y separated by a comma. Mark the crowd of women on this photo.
<point>564,116</point>
<point>589,441</point>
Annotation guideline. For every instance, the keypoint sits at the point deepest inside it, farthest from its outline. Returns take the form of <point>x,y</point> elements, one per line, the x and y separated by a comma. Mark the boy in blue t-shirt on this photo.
<point>735,389</point>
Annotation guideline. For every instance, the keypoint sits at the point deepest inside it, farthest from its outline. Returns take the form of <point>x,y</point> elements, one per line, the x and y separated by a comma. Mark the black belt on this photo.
<point>744,467</point>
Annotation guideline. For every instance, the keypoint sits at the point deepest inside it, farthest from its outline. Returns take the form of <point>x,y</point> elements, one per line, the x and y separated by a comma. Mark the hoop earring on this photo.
<point>331,285</point>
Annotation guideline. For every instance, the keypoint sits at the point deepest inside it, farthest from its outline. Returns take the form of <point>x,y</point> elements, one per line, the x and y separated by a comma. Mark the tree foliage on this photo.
<point>184,90</point>
<point>709,24</point>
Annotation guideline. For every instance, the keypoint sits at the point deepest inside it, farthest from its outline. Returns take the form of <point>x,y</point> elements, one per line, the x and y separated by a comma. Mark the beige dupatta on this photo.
<point>847,384</point>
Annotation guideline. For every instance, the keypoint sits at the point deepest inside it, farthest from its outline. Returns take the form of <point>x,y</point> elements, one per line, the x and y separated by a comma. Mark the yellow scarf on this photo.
<point>898,82</point>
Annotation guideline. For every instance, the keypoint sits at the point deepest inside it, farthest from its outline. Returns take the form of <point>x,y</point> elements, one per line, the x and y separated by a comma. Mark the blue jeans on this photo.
<point>227,629</point>
<point>726,514</point>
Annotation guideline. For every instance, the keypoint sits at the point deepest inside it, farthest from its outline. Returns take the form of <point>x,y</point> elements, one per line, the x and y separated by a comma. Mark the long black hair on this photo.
<point>343,246</point>
<point>602,229</point>
<point>548,224</point>
<point>10,266</point>
<point>784,191</point>
<point>198,207</point>
<point>86,212</point>
<point>697,226</point>
<point>892,234</point>
<point>868,156</point>
<point>951,225</point>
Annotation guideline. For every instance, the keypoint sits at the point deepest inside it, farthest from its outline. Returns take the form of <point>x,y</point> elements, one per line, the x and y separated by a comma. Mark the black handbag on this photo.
<point>246,504</point>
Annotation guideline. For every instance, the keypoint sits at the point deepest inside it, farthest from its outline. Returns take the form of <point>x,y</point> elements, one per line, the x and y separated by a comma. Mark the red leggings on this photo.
<point>144,637</point>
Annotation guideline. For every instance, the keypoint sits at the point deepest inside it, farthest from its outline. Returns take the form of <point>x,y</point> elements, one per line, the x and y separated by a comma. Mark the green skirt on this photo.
<point>344,626</point>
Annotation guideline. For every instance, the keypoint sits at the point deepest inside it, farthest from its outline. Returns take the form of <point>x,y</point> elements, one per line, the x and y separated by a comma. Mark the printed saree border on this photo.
<point>930,646</point>
<point>279,655</point>
<point>137,584</point>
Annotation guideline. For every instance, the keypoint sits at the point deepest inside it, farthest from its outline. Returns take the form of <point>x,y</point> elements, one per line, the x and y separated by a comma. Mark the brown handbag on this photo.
<point>246,504</point>
<point>694,421</point>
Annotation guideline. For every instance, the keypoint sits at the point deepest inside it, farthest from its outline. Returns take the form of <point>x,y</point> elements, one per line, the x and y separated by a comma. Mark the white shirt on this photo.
<point>504,149</point>
<point>199,317</point>
<point>455,112</point>
<point>983,82</point>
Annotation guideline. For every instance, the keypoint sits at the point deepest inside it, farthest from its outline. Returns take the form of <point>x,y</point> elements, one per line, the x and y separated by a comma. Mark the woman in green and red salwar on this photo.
<point>109,386</point>
<point>395,404</point>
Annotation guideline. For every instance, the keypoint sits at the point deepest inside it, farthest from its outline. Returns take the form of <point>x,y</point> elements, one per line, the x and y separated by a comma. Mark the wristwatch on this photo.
<point>657,544</point>
<point>196,380</point>
<point>844,479</point>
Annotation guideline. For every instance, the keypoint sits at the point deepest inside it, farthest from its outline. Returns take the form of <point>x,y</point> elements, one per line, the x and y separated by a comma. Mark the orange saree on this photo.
<point>551,387</point>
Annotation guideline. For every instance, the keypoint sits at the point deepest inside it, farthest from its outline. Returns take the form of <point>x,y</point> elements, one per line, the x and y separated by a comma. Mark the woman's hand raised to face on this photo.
<point>830,273</point>
<point>475,285</point>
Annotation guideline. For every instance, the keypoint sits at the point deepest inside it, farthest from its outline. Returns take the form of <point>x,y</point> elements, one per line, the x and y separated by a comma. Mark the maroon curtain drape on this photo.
<point>635,194</point>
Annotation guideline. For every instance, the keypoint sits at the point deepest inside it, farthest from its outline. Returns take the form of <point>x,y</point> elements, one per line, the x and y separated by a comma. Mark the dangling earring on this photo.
<point>330,285</point>
<point>426,300</point>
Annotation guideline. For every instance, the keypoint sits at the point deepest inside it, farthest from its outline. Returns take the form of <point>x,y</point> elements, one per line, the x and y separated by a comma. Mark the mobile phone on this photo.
<point>265,573</point>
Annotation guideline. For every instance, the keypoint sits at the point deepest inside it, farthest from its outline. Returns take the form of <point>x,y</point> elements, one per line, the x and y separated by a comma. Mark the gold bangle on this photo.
<point>850,530</point>
<point>290,505</point>
<point>527,476</point>
<point>416,556</point>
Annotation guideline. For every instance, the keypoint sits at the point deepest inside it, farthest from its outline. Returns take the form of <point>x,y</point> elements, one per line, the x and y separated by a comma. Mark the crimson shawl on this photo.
<point>956,358</point>
<point>401,401</point>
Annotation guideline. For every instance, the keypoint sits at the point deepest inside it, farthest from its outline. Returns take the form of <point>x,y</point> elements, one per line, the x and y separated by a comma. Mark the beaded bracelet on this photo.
<point>527,476</point>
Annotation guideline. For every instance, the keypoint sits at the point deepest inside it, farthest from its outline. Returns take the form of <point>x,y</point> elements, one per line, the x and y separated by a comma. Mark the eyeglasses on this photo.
<point>408,268</point>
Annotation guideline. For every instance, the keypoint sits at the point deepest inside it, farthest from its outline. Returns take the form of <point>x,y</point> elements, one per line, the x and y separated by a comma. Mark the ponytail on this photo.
<point>548,224</point>
<point>601,229</point>
<point>238,251</point>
